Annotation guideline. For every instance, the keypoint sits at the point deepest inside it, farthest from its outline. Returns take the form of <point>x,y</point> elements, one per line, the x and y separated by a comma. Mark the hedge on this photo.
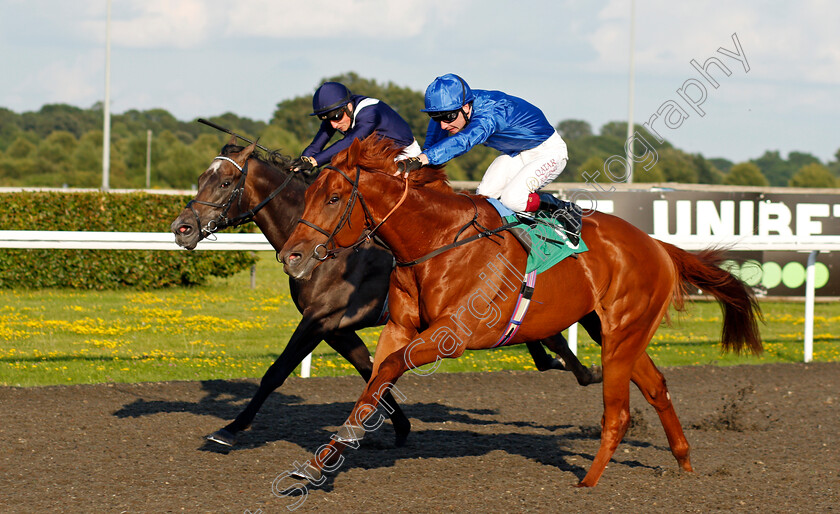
<point>104,269</point>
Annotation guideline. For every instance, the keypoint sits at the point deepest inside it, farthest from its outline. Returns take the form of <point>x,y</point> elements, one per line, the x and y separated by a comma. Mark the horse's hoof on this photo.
<point>308,472</point>
<point>597,374</point>
<point>222,437</point>
<point>558,364</point>
<point>349,434</point>
<point>399,440</point>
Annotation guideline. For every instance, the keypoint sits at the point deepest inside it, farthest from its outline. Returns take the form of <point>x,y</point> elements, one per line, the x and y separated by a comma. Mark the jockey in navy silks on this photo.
<point>533,154</point>
<point>355,117</point>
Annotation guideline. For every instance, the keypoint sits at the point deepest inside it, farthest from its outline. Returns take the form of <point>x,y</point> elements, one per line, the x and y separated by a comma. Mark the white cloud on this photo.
<point>328,19</point>
<point>163,23</point>
<point>194,23</point>
<point>151,24</point>
<point>785,40</point>
<point>74,81</point>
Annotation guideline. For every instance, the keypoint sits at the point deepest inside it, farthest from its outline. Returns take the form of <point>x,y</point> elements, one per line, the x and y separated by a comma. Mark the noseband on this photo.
<point>222,221</point>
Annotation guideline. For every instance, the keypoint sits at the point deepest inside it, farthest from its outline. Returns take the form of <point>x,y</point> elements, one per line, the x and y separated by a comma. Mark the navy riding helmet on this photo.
<point>447,93</point>
<point>328,97</point>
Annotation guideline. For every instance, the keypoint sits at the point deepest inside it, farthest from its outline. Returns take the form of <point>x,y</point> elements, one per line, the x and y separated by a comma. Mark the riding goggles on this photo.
<point>445,116</point>
<point>334,115</point>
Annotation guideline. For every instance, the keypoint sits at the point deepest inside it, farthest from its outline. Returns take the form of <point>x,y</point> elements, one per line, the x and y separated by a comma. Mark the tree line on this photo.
<point>61,146</point>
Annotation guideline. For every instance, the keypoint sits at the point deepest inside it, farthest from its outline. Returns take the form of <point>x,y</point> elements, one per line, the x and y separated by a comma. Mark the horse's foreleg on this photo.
<point>352,348</point>
<point>306,337</point>
<point>395,354</point>
<point>652,385</point>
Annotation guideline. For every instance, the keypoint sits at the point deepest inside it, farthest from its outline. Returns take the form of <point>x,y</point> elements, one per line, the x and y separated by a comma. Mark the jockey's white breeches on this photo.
<point>512,179</point>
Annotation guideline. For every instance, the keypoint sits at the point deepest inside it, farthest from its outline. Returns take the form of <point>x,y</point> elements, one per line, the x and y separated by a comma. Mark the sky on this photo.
<point>776,63</point>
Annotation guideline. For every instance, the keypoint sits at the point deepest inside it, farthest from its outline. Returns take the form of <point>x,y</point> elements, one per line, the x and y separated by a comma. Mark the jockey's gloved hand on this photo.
<point>408,165</point>
<point>303,164</point>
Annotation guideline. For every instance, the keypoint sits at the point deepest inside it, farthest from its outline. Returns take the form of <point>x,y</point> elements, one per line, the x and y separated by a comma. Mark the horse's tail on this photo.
<point>741,311</point>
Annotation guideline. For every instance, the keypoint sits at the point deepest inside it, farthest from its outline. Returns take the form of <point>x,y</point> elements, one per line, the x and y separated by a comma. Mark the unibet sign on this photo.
<point>726,214</point>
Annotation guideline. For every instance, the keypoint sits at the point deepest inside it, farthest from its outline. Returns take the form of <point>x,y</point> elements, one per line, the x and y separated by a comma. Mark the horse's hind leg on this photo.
<point>352,348</point>
<point>542,360</point>
<point>592,324</point>
<point>616,417</point>
<point>652,385</point>
<point>620,350</point>
<point>568,361</point>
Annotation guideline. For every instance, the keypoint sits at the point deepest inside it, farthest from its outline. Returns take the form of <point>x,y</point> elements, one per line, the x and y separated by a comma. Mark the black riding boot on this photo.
<point>567,213</point>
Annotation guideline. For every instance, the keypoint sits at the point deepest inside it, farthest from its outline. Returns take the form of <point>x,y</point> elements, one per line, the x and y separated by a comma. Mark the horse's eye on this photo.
<point>225,184</point>
<point>333,198</point>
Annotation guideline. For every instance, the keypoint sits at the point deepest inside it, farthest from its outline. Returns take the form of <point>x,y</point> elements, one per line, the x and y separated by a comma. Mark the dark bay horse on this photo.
<point>628,278</point>
<point>349,294</point>
<point>344,295</point>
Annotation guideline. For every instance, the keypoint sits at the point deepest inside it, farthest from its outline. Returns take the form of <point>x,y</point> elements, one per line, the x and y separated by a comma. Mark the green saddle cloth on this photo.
<point>548,246</point>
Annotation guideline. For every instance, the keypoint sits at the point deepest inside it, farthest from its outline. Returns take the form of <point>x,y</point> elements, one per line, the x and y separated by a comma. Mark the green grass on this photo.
<point>228,330</point>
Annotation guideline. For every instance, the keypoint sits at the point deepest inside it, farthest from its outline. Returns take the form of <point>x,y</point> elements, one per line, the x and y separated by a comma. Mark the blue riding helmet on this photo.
<point>447,93</point>
<point>328,97</point>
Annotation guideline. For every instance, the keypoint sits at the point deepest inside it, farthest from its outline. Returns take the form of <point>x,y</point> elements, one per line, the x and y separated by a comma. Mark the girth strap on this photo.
<point>522,304</point>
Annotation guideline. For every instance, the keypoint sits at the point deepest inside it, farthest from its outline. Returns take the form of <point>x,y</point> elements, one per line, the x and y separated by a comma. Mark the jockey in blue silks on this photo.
<point>533,154</point>
<point>355,117</point>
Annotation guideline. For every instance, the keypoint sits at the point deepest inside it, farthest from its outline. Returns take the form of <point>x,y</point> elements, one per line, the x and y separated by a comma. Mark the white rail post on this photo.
<point>810,278</point>
<point>306,366</point>
<point>573,330</point>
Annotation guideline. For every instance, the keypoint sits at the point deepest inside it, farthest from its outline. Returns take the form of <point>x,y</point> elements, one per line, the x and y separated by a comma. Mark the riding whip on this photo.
<point>232,133</point>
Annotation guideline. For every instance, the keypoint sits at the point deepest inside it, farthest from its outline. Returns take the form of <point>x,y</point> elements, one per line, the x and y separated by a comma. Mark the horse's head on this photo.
<point>350,200</point>
<point>220,191</point>
<point>335,216</point>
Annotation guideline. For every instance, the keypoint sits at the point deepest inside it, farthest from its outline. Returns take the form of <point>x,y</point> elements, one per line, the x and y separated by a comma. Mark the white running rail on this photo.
<point>813,245</point>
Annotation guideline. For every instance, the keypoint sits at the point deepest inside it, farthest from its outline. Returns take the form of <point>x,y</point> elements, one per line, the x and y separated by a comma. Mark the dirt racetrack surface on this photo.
<point>764,438</point>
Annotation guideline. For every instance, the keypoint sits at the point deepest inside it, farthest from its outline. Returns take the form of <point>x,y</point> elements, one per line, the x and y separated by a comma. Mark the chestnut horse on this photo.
<point>628,278</point>
<point>344,295</point>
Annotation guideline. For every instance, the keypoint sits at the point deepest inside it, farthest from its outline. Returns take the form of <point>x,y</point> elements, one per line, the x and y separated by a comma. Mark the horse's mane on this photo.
<point>274,159</point>
<point>376,154</point>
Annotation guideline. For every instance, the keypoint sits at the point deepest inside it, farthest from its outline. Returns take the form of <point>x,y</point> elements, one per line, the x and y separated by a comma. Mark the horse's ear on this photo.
<point>354,151</point>
<point>232,140</point>
<point>244,154</point>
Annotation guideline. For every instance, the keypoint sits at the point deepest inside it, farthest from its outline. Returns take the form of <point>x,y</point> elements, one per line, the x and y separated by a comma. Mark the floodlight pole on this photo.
<point>106,130</point>
<point>148,159</point>
<point>629,143</point>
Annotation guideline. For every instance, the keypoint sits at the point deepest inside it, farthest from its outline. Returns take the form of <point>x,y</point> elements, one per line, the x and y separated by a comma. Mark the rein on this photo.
<point>222,221</point>
<point>369,232</point>
<point>483,232</point>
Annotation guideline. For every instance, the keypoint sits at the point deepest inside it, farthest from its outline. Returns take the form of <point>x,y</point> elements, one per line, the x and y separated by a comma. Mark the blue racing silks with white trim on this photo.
<point>369,116</point>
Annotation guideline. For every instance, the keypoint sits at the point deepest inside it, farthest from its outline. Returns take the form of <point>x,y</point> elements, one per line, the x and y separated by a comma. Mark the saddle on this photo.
<point>549,236</point>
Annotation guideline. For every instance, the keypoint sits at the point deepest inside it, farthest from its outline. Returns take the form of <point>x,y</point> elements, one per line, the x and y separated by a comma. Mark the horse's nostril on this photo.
<point>184,229</point>
<point>294,257</point>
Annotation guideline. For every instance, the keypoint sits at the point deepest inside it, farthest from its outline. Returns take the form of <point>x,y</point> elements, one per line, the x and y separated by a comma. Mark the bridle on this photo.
<point>222,221</point>
<point>370,226</point>
<point>370,232</point>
